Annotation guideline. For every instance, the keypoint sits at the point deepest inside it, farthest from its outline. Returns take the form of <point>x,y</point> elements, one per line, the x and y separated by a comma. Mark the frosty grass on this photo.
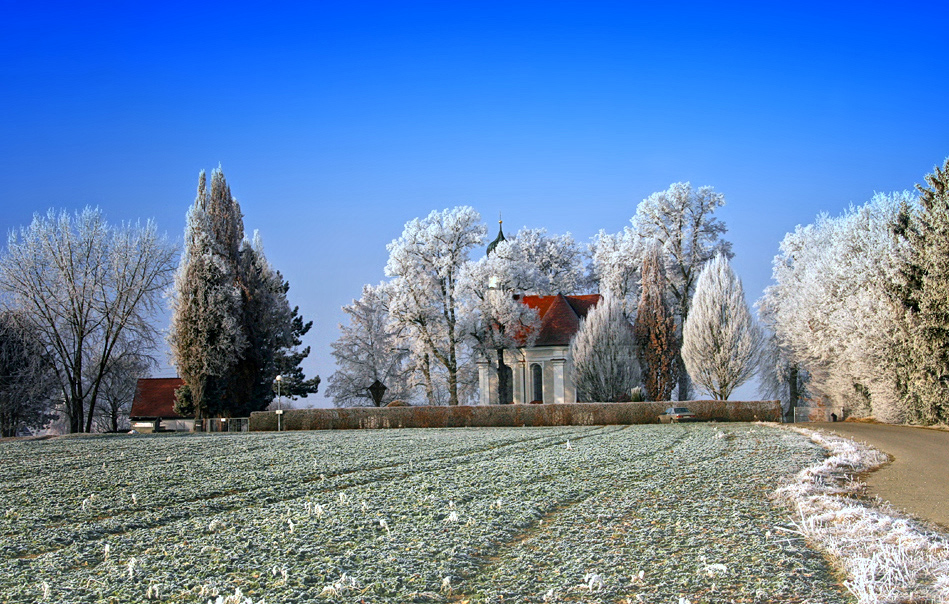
<point>665,514</point>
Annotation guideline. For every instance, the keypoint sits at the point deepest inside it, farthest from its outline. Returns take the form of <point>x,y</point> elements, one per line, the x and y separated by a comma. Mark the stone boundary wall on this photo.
<point>464,416</point>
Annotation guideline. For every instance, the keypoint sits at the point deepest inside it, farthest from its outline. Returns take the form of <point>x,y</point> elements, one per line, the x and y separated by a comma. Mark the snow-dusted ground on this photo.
<point>886,557</point>
<point>653,514</point>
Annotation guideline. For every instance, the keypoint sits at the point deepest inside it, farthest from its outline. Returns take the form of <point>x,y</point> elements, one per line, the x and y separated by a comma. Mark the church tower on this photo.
<point>498,239</point>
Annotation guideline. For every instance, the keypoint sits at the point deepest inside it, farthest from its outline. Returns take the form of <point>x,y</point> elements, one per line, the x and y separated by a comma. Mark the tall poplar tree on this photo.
<point>681,219</point>
<point>720,340</point>
<point>605,367</point>
<point>655,330</point>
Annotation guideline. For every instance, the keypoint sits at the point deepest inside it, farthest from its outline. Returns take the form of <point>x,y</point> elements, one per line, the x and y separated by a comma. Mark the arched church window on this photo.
<point>537,382</point>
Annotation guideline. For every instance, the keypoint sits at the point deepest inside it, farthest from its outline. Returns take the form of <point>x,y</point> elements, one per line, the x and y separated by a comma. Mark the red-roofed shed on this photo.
<point>153,408</point>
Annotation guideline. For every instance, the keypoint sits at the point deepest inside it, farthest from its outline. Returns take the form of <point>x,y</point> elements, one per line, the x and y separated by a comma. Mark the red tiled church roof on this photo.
<point>155,398</point>
<point>559,316</point>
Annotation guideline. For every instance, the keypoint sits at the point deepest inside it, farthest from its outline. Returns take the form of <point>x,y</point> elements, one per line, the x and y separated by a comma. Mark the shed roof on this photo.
<point>155,398</point>
<point>560,316</point>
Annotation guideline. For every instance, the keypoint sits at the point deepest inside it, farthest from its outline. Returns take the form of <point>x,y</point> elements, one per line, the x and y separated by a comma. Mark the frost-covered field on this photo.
<point>621,514</point>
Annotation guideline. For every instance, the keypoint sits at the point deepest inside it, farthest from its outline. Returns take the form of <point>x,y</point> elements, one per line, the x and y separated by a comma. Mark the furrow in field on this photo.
<point>111,523</point>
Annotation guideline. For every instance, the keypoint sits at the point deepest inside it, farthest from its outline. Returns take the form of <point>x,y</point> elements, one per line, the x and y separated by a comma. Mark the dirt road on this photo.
<point>917,480</point>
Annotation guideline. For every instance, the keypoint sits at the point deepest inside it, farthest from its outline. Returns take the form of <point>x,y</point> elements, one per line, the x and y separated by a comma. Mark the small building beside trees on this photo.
<point>541,373</point>
<point>153,408</point>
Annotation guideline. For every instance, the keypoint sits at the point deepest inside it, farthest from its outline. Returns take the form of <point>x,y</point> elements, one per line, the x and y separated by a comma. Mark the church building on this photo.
<point>541,373</point>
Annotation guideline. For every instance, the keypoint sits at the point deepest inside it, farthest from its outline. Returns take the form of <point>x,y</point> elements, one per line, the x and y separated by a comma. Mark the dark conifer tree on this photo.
<point>924,295</point>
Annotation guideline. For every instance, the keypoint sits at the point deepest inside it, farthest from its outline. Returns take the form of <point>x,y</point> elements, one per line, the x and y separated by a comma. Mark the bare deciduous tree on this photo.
<point>118,389</point>
<point>26,382</point>
<point>82,285</point>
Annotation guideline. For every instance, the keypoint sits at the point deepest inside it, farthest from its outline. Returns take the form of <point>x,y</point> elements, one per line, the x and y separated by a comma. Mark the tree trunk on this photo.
<point>502,379</point>
<point>685,384</point>
<point>75,413</point>
<point>793,394</point>
<point>427,375</point>
<point>452,376</point>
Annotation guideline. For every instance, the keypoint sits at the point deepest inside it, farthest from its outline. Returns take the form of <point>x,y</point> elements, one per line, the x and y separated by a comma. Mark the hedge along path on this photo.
<point>531,516</point>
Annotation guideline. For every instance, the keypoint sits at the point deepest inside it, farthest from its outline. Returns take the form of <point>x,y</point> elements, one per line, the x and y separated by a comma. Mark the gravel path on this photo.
<point>575,514</point>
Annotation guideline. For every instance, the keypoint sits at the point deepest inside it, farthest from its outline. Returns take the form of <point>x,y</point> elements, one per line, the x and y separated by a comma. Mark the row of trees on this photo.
<point>859,310</point>
<point>78,304</point>
<point>232,331</point>
<point>421,331</point>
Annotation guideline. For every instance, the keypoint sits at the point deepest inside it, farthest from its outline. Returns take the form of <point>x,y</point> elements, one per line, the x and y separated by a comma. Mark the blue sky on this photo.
<point>337,122</point>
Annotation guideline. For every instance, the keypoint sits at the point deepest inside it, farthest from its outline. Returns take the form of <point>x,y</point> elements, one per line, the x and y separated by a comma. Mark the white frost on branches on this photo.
<point>615,263</point>
<point>369,349</point>
<point>605,365</point>
<point>425,263</point>
<point>533,262</point>
<point>80,286</point>
<point>829,305</point>
<point>720,340</point>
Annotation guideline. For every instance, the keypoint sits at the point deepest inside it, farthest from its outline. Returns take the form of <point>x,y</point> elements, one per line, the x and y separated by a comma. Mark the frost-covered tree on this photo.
<point>80,285</point>
<point>655,330</point>
<point>779,376</point>
<point>426,263</point>
<point>682,220</point>
<point>533,262</point>
<point>494,316</point>
<point>605,367</point>
<point>923,294</point>
<point>720,340</point>
<point>206,338</point>
<point>831,310</point>
<point>369,348</point>
<point>615,262</point>
<point>27,384</point>
<point>232,329</point>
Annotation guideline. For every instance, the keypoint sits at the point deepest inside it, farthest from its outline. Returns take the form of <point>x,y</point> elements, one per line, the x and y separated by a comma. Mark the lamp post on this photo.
<point>279,400</point>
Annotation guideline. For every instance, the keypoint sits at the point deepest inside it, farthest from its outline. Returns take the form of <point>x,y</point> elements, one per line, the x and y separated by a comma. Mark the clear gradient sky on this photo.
<point>337,122</point>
